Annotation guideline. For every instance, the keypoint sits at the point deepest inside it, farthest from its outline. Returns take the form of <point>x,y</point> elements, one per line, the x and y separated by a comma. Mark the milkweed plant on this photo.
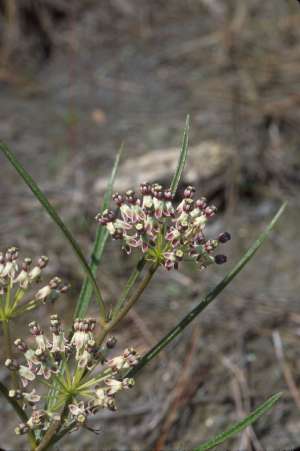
<point>59,377</point>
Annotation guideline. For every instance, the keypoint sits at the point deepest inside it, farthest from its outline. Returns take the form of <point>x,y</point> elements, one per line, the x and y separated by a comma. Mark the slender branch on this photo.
<point>46,441</point>
<point>53,429</point>
<point>134,298</point>
<point>8,349</point>
<point>129,304</point>
<point>59,435</point>
<point>131,281</point>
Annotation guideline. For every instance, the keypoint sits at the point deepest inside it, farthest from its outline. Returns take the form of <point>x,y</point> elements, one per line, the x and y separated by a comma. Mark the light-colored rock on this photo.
<point>205,161</point>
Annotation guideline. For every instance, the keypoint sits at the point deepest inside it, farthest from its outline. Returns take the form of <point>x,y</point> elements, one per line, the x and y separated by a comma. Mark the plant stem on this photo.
<point>59,435</point>
<point>129,304</point>
<point>8,349</point>
<point>19,411</point>
<point>132,300</point>
<point>131,281</point>
<point>47,440</point>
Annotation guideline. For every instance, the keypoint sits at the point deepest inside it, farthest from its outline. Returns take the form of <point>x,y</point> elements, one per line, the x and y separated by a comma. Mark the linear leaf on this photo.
<point>56,218</point>
<point>178,329</point>
<point>182,157</point>
<point>241,425</point>
<point>98,247</point>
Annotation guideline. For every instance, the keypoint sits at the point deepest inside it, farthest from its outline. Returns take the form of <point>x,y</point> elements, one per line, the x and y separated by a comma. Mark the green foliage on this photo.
<point>98,247</point>
<point>178,329</point>
<point>182,157</point>
<point>40,196</point>
<point>125,302</point>
<point>241,425</point>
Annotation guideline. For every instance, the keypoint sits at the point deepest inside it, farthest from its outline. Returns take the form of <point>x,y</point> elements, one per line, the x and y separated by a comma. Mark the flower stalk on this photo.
<point>120,313</point>
<point>53,429</point>
<point>8,349</point>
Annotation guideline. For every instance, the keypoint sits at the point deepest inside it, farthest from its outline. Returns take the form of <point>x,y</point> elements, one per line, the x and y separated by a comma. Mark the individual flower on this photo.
<point>85,378</point>
<point>165,231</point>
<point>16,280</point>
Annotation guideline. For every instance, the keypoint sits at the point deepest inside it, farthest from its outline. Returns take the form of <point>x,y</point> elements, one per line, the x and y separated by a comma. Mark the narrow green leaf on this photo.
<point>241,425</point>
<point>97,252</point>
<point>182,157</point>
<point>98,247</point>
<point>208,298</point>
<point>56,218</point>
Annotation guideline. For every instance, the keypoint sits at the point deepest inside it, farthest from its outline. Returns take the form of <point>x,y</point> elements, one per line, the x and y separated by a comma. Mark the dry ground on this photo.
<point>131,75</point>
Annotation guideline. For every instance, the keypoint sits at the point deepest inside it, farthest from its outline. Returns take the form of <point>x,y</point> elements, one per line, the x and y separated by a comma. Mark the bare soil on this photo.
<point>131,76</point>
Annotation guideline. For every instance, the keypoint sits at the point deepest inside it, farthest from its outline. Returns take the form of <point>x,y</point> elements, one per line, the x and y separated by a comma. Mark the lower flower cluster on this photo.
<point>166,233</point>
<point>79,372</point>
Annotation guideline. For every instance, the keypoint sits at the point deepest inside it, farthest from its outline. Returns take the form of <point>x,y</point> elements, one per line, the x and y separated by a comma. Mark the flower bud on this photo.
<point>21,429</point>
<point>220,259</point>
<point>43,261</point>
<point>118,198</point>
<point>224,237</point>
<point>111,342</point>
<point>145,189</point>
<point>15,394</point>
<point>11,364</point>
<point>21,345</point>
<point>189,192</point>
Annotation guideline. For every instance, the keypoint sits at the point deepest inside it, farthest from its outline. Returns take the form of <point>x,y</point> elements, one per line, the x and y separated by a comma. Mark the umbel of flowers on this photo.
<point>16,280</point>
<point>84,377</point>
<point>166,232</point>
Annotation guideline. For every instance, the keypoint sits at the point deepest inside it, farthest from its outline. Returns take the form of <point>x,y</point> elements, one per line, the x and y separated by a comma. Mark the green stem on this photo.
<point>59,435</point>
<point>17,299</point>
<point>47,440</point>
<point>8,349</point>
<point>19,411</point>
<point>131,281</point>
<point>132,300</point>
<point>7,298</point>
<point>129,304</point>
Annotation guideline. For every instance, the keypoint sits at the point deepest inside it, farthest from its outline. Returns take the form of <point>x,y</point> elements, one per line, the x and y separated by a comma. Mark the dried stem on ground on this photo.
<point>287,373</point>
<point>182,392</point>
<point>241,394</point>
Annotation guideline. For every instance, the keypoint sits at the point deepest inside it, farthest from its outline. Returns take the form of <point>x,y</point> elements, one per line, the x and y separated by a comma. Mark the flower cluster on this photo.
<point>81,372</point>
<point>165,232</point>
<point>16,279</point>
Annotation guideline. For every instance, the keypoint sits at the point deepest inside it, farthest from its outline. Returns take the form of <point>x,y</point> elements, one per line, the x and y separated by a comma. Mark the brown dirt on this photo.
<point>132,77</point>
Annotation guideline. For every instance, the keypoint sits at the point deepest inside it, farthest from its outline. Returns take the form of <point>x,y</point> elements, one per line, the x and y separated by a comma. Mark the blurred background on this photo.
<point>79,78</point>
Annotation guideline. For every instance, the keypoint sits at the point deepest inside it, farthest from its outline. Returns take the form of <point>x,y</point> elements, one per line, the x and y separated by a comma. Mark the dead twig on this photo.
<point>183,392</point>
<point>287,373</point>
<point>241,395</point>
